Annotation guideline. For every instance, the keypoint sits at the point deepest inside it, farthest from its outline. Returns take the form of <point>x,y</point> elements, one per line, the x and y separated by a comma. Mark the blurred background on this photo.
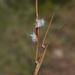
<point>17,51</point>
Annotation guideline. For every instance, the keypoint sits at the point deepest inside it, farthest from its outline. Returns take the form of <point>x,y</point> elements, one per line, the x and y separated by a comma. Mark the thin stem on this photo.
<point>37,9</point>
<point>37,34</point>
<point>57,32</point>
<point>48,29</point>
<point>61,29</point>
<point>40,62</point>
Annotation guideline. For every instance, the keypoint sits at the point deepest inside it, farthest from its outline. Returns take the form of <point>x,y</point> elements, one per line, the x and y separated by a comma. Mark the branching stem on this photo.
<point>39,62</point>
<point>48,29</point>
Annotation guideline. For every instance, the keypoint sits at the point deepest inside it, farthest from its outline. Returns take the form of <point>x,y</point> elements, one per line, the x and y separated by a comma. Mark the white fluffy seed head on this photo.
<point>39,23</point>
<point>33,37</point>
<point>43,46</point>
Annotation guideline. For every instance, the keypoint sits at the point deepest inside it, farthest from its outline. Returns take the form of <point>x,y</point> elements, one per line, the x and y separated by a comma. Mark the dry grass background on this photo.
<point>17,51</point>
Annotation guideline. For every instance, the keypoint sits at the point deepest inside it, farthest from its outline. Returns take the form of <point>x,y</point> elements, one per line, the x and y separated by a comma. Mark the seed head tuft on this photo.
<point>39,23</point>
<point>33,37</point>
